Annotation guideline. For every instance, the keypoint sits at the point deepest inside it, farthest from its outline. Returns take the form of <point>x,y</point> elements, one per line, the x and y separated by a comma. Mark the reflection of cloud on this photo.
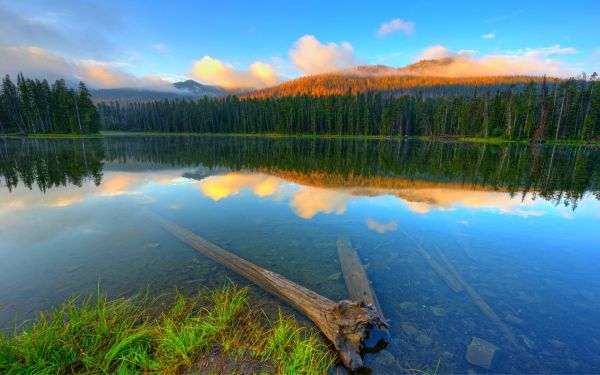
<point>308,201</point>
<point>219,187</point>
<point>113,184</point>
<point>422,201</point>
<point>378,227</point>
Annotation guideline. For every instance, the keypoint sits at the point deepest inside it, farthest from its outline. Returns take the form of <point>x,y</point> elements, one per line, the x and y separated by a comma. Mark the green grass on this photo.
<point>53,135</point>
<point>95,335</point>
<point>251,135</point>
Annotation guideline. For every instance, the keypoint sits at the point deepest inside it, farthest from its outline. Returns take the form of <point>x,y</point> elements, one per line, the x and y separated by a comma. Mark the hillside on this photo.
<point>422,76</point>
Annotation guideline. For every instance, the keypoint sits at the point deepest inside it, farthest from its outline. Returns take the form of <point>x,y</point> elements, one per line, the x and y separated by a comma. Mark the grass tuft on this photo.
<point>95,335</point>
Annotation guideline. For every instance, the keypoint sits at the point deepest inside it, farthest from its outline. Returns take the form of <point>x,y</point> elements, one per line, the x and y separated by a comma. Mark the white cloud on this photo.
<point>387,28</point>
<point>160,47</point>
<point>311,56</point>
<point>213,71</point>
<point>491,35</point>
<point>439,52</point>
<point>542,52</point>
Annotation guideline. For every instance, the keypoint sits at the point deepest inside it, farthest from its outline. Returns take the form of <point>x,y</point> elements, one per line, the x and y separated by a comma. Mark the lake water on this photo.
<point>516,226</point>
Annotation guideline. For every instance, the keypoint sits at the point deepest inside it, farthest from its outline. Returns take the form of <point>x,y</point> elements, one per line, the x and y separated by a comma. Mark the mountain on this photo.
<point>189,89</point>
<point>197,89</point>
<point>426,76</point>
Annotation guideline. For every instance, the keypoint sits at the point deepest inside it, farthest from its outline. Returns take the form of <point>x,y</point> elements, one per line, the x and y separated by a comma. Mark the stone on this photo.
<point>407,305</point>
<point>424,340</point>
<point>151,245</point>
<point>383,361</point>
<point>409,329</point>
<point>438,311</point>
<point>481,353</point>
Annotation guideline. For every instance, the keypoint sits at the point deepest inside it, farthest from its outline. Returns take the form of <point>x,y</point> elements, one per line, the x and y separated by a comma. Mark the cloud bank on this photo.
<point>528,61</point>
<point>38,62</point>
<point>396,25</point>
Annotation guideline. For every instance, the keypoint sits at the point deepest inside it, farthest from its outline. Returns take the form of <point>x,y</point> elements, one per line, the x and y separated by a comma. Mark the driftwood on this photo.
<point>345,323</point>
<point>358,285</point>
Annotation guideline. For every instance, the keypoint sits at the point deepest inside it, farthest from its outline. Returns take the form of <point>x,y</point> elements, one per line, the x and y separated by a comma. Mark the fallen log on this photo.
<point>345,323</point>
<point>358,285</point>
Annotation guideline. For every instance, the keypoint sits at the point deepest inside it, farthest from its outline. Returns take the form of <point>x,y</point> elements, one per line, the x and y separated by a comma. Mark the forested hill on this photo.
<point>424,77</point>
<point>568,109</point>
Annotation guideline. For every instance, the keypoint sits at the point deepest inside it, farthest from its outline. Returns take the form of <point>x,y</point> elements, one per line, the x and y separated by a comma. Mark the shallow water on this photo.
<point>517,224</point>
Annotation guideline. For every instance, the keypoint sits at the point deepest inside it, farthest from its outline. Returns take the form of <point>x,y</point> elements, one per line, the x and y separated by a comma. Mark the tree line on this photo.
<point>557,110</point>
<point>32,106</point>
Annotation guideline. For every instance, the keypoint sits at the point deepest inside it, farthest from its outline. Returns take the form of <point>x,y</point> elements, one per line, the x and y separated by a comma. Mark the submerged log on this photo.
<point>345,323</point>
<point>358,285</point>
<point>482,305</point>
<point>441,271</point>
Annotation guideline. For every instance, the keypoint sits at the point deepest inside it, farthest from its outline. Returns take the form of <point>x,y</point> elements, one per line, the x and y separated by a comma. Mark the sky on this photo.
<point>257,44</point>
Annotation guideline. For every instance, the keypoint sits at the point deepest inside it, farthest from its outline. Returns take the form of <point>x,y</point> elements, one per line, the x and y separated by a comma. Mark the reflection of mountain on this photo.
<point>359,167</point>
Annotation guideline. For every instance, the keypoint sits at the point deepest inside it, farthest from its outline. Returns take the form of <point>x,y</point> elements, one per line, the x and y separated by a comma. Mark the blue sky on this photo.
<point>243,43</point>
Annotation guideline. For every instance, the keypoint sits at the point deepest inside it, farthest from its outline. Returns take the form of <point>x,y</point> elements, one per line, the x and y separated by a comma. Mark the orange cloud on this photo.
<point>215,72</point>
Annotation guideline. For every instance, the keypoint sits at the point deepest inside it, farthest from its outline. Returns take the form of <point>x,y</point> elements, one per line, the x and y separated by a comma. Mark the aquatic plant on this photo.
<point>98,335</point>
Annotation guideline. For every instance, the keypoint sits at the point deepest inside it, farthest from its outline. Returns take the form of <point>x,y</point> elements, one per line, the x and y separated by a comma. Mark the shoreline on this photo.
<point>458,139</point>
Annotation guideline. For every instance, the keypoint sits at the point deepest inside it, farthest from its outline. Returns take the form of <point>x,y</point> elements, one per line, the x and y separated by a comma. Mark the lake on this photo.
<point>515,226</point>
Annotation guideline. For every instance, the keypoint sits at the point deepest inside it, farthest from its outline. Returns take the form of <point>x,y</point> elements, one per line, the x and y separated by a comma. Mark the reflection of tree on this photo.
<point>50,163</point>
<point>559,174</point>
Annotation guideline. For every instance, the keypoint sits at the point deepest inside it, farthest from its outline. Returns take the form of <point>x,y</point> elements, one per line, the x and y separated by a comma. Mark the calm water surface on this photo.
<point>518,225</point>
